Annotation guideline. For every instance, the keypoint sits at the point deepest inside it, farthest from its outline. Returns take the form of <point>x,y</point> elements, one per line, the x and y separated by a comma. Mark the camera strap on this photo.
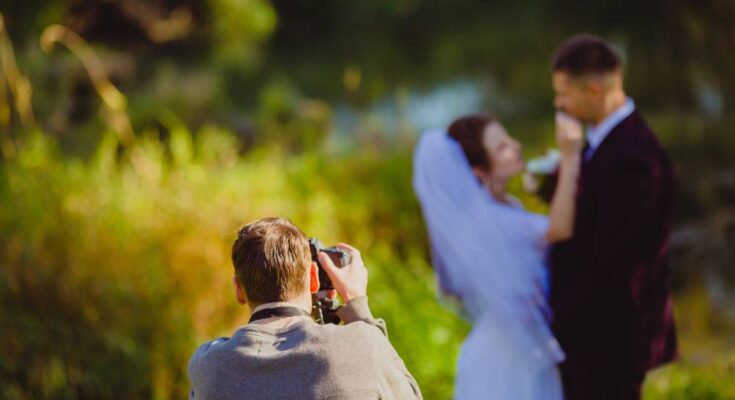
<point>278,312</point>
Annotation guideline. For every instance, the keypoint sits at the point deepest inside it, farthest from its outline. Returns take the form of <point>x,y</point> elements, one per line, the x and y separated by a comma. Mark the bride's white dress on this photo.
<point>491,257</point>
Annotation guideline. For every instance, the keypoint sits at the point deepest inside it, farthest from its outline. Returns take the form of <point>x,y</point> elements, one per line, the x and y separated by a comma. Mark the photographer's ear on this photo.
<point>239,291</point>
<point>313,277</point>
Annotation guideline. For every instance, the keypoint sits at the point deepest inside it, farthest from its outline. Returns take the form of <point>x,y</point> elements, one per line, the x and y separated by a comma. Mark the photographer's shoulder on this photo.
<point>206,352</point>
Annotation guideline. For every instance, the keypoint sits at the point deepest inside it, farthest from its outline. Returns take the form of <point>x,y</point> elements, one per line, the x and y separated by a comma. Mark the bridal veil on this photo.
<point>487,254</point>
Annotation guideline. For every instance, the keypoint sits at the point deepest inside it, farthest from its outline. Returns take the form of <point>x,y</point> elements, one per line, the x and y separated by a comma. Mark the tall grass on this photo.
<point>115,268</point>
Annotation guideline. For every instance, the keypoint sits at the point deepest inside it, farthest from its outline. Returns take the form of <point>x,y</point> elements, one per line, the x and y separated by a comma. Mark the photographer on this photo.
<point>282,353</point>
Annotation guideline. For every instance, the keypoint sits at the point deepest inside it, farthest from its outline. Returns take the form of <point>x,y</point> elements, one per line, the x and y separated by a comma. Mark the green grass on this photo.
<point>115,268</point>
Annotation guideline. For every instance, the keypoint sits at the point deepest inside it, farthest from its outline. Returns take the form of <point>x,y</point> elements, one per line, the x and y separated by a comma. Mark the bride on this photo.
<point>488,252</point>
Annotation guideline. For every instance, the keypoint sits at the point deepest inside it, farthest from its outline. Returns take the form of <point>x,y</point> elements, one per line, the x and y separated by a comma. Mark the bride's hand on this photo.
<point>569,136</point>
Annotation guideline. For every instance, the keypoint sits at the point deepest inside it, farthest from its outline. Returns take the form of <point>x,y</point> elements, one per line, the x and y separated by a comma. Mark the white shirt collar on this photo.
<point>597,134</point>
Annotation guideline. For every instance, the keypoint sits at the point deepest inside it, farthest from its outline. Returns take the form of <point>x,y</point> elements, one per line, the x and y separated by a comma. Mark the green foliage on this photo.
<point>715,381</point>
<point>114,263</point>
<point>237,24</point>
<point>115,268</point>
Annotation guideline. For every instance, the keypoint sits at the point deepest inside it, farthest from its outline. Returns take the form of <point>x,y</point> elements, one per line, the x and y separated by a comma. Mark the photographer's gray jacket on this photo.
<point>304,360</point>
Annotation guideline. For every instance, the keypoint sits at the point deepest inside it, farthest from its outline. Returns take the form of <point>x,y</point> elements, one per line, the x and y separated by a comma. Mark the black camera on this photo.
<point>324,308</point>
<point>339,257</point>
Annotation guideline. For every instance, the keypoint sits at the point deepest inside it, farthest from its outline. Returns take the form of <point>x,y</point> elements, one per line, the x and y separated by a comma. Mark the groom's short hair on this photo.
<point>584,55</point>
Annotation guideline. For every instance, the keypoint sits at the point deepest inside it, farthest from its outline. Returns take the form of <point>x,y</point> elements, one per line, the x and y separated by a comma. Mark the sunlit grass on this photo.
<point>116,267</point>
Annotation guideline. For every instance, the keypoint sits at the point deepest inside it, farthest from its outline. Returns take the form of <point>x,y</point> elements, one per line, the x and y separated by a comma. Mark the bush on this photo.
<point>115,268</point>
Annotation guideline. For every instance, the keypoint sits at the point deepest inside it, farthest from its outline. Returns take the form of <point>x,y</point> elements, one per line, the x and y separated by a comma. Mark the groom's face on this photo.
<point>575,96</point>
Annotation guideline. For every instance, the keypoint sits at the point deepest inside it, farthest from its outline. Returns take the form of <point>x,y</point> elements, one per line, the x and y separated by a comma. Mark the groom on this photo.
<point>610,282</point>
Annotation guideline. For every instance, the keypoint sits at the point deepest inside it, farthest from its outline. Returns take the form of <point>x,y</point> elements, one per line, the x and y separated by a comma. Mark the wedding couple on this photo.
<point>575,304</point>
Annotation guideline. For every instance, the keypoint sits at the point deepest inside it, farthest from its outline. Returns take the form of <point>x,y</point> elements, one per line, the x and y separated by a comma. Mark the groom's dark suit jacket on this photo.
<point>610,282</point>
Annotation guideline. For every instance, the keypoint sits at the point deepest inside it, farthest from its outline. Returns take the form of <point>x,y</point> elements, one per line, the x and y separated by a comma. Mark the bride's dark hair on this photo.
<point>467,131</point>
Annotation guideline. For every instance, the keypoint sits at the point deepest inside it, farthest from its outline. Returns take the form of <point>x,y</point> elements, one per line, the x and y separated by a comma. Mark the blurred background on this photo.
<point>137,136</point>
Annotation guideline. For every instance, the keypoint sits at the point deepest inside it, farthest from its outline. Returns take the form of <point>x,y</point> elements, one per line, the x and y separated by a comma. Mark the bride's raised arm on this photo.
<point>561,212</point>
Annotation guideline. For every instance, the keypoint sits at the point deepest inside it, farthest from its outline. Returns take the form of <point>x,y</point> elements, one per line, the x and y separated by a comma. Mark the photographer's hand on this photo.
<point>350,281</point>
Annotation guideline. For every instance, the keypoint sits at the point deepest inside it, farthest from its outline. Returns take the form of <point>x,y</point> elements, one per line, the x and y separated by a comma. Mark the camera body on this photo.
<point>324,308</point>
<point>339,257</point>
